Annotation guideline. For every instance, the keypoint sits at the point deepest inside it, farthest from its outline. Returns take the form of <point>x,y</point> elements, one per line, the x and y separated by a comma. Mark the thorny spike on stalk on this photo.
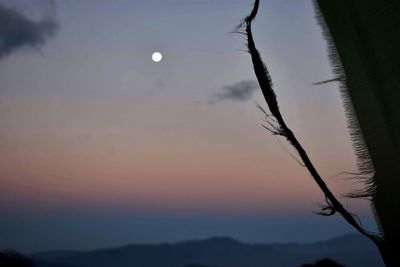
<point>277,126</point>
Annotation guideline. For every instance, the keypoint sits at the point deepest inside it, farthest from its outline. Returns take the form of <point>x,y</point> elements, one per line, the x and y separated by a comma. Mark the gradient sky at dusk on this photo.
<point>102,147</point>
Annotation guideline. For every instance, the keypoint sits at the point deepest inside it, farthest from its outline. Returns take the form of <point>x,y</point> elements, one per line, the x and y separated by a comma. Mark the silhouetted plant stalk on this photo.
<point>276,124</point>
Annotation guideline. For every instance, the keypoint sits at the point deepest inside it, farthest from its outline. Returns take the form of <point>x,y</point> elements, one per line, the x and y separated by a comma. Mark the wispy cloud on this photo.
<point>18,31</point>
<point>240,91</point>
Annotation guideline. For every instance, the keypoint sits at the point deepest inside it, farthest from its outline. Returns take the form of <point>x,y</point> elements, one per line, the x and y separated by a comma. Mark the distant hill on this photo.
<point>350,250</point>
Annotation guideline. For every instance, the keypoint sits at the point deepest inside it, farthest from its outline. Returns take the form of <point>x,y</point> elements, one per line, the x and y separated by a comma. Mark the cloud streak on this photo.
<point>18,31</point>
<point>240,91</point>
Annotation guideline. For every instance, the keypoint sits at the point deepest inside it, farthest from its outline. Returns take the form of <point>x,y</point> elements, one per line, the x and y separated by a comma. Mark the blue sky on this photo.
<point>104,147</point>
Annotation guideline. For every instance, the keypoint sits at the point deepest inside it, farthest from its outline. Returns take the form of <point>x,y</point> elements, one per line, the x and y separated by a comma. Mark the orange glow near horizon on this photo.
<point>148,166</point>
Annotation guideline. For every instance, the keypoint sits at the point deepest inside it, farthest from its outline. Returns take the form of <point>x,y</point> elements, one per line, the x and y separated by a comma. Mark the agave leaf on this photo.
<point>278,126</point>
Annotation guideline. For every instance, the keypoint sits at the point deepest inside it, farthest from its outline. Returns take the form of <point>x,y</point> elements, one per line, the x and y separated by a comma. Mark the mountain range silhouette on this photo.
<point>351,250</point>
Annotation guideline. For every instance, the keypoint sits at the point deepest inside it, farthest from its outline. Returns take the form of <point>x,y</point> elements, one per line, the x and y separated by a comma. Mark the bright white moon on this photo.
<point>156,56</point>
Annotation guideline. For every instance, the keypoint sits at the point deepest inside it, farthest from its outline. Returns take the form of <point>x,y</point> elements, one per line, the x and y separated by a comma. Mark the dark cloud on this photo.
<point>240,91</point>
<point>18,31</point>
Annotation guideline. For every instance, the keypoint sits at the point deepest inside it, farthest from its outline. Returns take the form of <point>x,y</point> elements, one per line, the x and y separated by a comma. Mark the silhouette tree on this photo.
<point>370,83</point>
<point>14,259</point>
<point>323,263</point>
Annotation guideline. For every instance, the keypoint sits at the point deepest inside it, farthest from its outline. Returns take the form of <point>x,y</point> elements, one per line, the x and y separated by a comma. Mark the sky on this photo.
<point>102,147</point>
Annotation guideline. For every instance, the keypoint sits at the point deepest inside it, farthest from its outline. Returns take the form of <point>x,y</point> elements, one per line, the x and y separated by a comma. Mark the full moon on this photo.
<point>156,57</point>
